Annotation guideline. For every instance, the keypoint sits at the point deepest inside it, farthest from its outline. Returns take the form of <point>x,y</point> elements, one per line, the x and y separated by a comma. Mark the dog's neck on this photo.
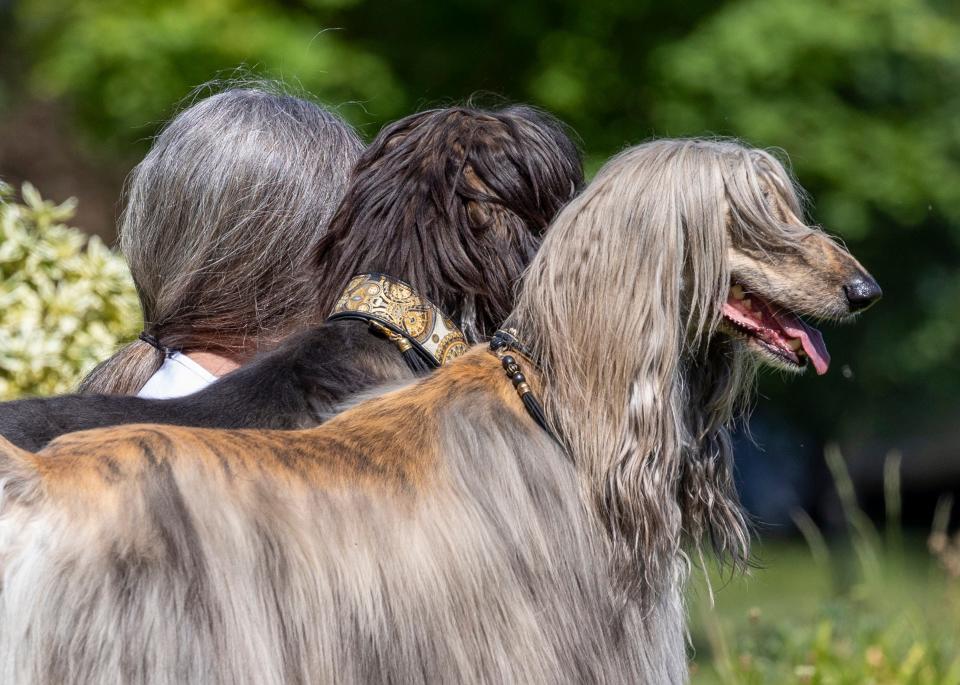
<point>649,435</point>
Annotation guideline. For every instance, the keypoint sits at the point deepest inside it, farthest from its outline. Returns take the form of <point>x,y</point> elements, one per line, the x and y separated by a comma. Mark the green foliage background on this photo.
<point>879,610</point>
<point>66,300</point>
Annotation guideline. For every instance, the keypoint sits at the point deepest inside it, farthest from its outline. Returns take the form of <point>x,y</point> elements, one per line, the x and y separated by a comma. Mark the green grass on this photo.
<point>879,608</point>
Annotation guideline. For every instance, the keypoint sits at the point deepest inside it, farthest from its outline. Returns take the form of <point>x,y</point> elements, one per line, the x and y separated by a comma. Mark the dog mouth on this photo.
<point>776,331</point>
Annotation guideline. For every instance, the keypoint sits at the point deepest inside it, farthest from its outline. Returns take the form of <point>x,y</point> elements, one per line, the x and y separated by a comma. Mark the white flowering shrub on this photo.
<point>66,300</point>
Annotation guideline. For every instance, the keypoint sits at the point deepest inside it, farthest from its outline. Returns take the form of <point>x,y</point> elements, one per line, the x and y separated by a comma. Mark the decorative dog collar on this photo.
<point>394,309</point>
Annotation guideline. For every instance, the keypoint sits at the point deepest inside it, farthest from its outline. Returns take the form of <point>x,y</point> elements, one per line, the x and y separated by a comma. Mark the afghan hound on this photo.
<point>439,533</point>
<point>452,201</point>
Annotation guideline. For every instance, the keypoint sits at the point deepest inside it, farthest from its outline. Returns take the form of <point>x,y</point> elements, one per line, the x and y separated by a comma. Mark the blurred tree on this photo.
<point>587,62</point>
<point>124,65</point>
<point>66,300</point>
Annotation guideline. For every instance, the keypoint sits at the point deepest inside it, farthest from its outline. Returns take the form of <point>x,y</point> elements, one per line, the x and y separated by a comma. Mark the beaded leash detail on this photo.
<point>501,342</point>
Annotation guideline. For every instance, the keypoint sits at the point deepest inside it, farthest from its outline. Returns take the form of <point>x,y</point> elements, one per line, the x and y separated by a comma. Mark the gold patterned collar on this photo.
<point>396,310</point>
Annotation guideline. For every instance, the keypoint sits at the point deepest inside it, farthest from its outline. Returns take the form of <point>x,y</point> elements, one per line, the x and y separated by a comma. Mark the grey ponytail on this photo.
<point>221,217</point>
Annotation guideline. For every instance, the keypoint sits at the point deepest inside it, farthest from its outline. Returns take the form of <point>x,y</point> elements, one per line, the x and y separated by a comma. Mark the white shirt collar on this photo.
<point>178,376</point>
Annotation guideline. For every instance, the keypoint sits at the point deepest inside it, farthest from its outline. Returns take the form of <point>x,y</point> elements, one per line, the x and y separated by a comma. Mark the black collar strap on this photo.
<point>507,338</point>
<point>396,310</point>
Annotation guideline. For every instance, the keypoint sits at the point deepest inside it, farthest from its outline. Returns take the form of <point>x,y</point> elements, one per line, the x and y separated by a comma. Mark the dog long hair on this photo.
<point>437,532</point>
<point>642,369</point>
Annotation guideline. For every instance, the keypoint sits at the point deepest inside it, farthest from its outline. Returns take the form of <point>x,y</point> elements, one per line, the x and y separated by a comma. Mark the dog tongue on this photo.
<point>809,337</point>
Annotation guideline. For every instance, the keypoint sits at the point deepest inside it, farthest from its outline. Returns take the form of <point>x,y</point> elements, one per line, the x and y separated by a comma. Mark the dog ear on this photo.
<point>717,387</point>
<point>610,316</point>
<point>717,378</point>
<point>672,471</point>
<point>638,496</point>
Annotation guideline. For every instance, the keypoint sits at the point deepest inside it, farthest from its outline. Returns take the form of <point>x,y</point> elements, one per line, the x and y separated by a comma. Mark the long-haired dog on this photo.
<point>438,533</point>
<point>453,201</point>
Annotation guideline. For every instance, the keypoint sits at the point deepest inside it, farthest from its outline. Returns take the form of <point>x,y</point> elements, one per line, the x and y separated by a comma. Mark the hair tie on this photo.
<point>153,342</point>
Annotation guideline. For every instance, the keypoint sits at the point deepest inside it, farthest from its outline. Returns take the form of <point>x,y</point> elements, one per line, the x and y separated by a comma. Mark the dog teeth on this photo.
<point>747,303</point>
<point>737,292</point>
<point>795,345</point>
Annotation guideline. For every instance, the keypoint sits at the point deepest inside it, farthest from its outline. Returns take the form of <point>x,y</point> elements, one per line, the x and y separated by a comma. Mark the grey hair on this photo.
<point>643,398</point>
<point>221,219</point>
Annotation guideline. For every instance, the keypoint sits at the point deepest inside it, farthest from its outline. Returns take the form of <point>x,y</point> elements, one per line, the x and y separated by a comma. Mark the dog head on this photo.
<point>782,270</point>
<point>454,201</point>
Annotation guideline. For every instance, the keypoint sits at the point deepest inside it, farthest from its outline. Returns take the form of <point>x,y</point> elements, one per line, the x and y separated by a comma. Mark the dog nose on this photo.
<point>861,291</point>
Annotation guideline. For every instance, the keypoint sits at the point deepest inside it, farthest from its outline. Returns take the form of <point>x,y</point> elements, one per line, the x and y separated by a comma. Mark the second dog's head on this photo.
<point>455,202</point>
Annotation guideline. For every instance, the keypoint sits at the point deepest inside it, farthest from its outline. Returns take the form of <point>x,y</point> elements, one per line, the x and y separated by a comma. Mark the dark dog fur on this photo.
<point>453,201</point>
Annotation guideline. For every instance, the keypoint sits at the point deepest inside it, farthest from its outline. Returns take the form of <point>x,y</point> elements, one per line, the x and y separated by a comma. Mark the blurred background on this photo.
<point>863,95</point>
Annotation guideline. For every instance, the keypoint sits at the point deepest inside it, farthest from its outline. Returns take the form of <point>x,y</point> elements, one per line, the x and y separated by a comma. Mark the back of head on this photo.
<point>455,202</point>
<point>220,219</point>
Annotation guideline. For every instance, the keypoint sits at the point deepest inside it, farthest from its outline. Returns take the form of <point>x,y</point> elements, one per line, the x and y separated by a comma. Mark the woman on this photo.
<point>220,218</point>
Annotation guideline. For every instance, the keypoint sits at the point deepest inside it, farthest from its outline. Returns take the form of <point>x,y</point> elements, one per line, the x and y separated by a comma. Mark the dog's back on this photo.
<point>360,551</point>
